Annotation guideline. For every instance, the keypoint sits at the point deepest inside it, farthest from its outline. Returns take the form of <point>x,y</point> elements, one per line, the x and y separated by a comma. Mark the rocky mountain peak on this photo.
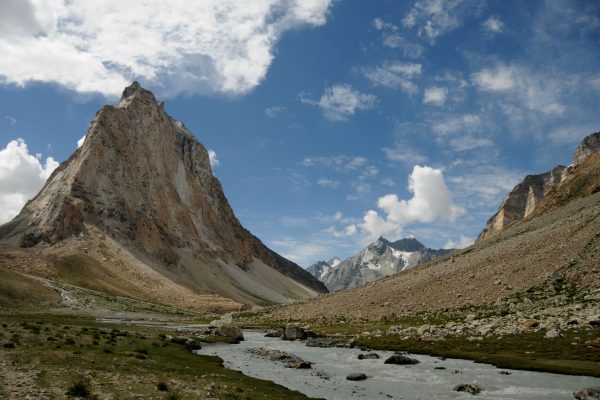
<point>589,145</point>
<point>145,181</point>
<point>408,244</point>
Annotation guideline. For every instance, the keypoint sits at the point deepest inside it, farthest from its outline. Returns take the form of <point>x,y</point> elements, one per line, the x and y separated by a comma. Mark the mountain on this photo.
<point>549,259</point>
<point>140,192</point>
<point>525,197</point>
<point>381,258</point>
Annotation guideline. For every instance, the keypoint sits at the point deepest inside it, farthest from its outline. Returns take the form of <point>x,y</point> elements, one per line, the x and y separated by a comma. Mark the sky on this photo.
<point>329,122</point>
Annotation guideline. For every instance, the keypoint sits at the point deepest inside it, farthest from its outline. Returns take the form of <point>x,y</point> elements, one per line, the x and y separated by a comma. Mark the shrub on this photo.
<point>162,387</point>
<point>69,341</point>
<point>79,389</point>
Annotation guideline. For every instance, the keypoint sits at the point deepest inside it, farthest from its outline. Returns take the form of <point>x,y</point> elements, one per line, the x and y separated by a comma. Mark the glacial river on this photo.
<point>327,378</point>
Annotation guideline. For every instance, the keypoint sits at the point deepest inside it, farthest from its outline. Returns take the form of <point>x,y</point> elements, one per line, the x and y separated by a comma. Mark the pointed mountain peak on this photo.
<point>381,241</point>
<point>334,262</point>
<point>409,244</point>
<point>136,91</point>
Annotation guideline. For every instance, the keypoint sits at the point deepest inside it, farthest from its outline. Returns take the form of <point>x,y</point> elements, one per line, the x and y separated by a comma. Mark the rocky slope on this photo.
<point>379,259</point>
<point>143,182</point>
<point>529,194</point>
<point>551,256</point>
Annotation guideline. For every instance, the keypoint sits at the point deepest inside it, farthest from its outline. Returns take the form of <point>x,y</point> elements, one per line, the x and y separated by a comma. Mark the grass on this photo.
<point>527,351</point>
<point>128,359</point>
<point>18,290</point>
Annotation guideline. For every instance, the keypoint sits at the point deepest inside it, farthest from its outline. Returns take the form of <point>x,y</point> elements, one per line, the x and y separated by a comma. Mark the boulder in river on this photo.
<point>399,359</point>
<point>356,376</point>
<point>230,331</point>
<point>468,388</point>
<point>274,333</point>
<point>591,393</point>
<point>368,356</point>
<point>294,332</point>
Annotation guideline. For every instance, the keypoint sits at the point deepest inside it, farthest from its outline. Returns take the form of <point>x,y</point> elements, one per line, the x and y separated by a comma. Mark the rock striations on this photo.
<point>381,258</point>
<point>527,196</point>
<point>143,180</point>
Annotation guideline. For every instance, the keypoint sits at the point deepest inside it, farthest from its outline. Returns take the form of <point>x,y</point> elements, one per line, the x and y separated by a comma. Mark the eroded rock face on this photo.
<point>529,194</point>
<point>145,181</point>
<point>589,146</point>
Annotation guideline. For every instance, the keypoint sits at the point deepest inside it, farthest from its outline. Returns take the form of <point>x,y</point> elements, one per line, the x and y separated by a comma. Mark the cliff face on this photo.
<point>528,195</point>
<point>145,181</point>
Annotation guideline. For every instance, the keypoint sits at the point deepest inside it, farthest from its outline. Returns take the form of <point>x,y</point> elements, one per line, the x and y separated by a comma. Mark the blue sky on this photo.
<point>333,122</point>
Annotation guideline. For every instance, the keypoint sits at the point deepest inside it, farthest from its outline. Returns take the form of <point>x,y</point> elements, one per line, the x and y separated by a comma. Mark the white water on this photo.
<point>412,382</point>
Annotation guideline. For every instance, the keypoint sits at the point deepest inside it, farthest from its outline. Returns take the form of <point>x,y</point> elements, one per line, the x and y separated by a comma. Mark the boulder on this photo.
<point>591,393</point>
<point>294,332</point>
<point>530,324</point>
<point>368,356</point>
<point>230,331</point>
<point>399,359</point>
<point>274,333</point>
<point>356,376</point>
<point>553,333</point>
<point>468,388</point>
<point>301,365</point>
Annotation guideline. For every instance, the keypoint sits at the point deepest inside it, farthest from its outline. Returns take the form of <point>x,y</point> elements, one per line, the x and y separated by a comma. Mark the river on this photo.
<point>327,378</point>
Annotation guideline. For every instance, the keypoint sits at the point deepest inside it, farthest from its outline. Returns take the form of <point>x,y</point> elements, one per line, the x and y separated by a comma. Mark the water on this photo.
<point>421,381</point>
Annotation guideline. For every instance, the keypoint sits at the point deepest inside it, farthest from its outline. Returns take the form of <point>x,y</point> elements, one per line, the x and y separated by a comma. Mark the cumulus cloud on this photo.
<point>493,25</point>
<point>431,201</point>
<point>223,46</point>
<point>435,95</point>
<point>214,160</point>
<point>494,80</point>
<point>340,102</point>
<point>22,175</point>
<point>395,75</point>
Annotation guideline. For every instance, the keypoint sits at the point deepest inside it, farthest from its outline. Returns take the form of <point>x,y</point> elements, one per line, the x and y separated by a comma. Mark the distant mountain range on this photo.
<point>379,259</point>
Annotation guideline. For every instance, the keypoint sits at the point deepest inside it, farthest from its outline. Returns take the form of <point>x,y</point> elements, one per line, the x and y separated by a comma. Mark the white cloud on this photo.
<point>494,80</point>
<point>434,18</point>
<point>431,201</point>
<point>340,163</point>
<point>404,152</point>
<point>539,91</point>
<point>330,183</point>
<point>22,175</point>
<point>223,46</point>
<point>462,242</point>
<point>80,141</point>
<point>11,120</point>
<point>214,160</point>
<point>493,25</point>
<point>273,112</point>
<point>457,124</point>
<point>393,40</point>
<point>435,95</point>
<point>468,142</point>
<point>395,75</point>
<point>341,101</point>
<point>300,251</point>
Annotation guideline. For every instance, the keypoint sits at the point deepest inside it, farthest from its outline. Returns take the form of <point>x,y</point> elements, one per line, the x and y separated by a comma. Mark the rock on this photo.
<point>399,359</point>
<point>589,145</point>
<point>356,376</point>
<point>368,356</point>
<point>468,388</point>
<point>553,333</point>
<point>592,393</point>
<point>530,324</point>
<point>294,332</point>
<point>301,365</point>
<point>274,333</point>
<point>325,342</point>
<point>230,331</point>
<point>189,343</point>
<point>505,372</point>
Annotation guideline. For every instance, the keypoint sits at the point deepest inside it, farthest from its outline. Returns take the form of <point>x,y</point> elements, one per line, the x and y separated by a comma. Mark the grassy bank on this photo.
<point>54,355</point>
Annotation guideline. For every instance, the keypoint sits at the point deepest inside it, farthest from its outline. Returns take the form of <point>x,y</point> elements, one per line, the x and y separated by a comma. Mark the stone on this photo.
<point>553,333</point>
<point>294,332</point>
<point>356,376</point>
<point>399,359</point>
<point>468,388</point>
<point>591,393</point>
<point>230,331</point>
<point>274,333</point>
<point>368,356</point>
<point>301,365</point>
<point>530,324</point>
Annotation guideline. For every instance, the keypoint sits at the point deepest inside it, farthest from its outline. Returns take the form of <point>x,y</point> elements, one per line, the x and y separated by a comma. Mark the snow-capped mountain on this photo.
<point>381,258</point>
<point>320,269</point>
